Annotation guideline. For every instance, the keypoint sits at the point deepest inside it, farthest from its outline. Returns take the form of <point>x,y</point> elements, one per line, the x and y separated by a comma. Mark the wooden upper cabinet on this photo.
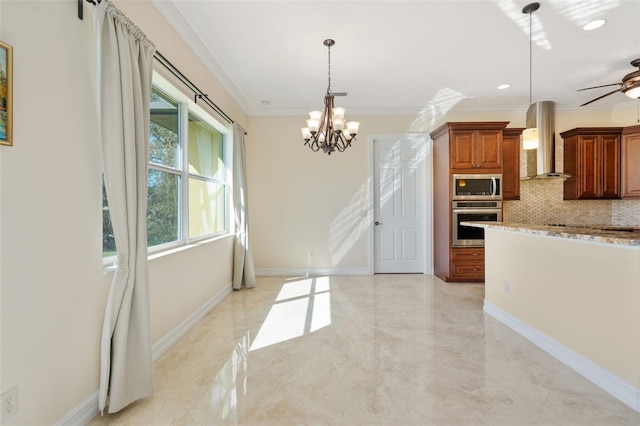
<point>592,158</point>
<point>631,162</point>
<point>476,150</point>
<point>610,145</point>
<point>511,164</point>
<point>462,149</point>
<point>489,149</point>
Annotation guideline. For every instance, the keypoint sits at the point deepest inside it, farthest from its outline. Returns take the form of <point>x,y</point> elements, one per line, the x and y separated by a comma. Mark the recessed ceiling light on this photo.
<point>265,103</point>
<point>504,86</point>
<point>593,24</point>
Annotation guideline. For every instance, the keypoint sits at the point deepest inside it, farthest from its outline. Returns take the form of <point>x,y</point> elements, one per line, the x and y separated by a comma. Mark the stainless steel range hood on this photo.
<point>541,162</point>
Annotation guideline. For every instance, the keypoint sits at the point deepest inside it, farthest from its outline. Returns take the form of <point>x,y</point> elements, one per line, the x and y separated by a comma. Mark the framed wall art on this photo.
<point>6,89</point>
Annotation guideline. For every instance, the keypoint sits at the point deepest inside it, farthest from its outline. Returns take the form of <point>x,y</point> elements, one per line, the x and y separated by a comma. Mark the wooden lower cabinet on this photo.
<point>467,264</point>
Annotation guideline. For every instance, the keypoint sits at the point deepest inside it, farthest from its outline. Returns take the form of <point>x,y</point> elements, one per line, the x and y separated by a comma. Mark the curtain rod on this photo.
<point>80,8</point>
<point>198,94</point>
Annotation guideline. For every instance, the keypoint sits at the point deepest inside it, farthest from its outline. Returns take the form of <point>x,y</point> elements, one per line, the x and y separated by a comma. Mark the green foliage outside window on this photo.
<point>163,208</point>
<point>108,242</point>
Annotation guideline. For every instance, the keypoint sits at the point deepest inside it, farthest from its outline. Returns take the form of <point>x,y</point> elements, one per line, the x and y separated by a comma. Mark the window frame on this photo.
<point>225,182</point>
<point>187,106</point>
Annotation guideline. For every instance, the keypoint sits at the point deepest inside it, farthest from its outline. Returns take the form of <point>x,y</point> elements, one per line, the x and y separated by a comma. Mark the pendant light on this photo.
<point>329,130</point>
<point>530,137</point>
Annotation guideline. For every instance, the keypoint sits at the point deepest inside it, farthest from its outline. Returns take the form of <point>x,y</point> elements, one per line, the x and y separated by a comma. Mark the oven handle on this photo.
<point>477,210</point>
<point>493,186</point>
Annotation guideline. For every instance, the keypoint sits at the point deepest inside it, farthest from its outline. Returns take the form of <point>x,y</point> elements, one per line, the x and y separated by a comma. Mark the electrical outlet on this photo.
<point>507,287</point>
<point>310,253</point>
<point>9,404</point>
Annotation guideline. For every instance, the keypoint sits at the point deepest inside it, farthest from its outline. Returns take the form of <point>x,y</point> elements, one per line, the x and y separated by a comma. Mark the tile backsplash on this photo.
<point>541,203</point>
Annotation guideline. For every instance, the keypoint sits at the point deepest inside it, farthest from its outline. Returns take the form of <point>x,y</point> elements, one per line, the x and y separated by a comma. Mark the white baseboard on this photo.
<point>83,413</point>
<point>283,272</point>
<point>623,391</point>
<point>171,338</point>
<point>88,409</point>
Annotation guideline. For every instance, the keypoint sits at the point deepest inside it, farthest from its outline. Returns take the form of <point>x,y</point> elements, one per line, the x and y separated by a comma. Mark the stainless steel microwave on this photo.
<point>477,187</point>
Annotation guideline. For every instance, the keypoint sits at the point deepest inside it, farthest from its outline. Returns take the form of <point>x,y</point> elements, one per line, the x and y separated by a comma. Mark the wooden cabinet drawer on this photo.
<point>468,254</point>
<point>467,263</point>
<point>468,269</point>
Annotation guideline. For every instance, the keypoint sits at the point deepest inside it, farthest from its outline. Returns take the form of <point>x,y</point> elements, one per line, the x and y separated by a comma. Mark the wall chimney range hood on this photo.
<point>541,162</point>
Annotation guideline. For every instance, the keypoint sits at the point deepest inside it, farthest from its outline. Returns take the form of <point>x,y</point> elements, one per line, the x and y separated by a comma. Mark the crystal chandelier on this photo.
<point>328,130</point>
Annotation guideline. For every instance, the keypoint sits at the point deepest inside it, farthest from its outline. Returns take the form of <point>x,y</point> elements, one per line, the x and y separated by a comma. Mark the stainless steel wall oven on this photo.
<point>472,211</point>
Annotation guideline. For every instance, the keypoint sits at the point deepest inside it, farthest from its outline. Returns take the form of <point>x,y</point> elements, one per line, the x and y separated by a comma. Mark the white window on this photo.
<point>188,174</point>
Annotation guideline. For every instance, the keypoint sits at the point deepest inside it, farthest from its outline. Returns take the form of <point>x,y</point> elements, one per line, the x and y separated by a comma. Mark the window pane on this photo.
<point>163,211</point>
<point>206,208</point>
<point>164,147</point>
<point>108,242</point>
<point>205,149</point>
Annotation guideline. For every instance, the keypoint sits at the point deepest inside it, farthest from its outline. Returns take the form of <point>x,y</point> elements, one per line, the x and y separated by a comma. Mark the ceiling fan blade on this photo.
<point>603,96</point>
<point>597,87</point>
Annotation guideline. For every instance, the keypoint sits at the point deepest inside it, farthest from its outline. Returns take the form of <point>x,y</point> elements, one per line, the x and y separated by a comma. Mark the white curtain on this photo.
<point>243,272</point>
<point>124,86</point>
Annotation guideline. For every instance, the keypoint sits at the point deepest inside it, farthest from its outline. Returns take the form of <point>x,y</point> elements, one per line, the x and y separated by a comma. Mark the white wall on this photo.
<point>51,272</point>
<point>582,294</point>
<point>301,200</point>
<point>52,286</point>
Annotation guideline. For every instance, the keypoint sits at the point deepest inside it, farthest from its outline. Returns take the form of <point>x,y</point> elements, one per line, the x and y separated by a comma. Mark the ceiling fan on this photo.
<point>630,85</point>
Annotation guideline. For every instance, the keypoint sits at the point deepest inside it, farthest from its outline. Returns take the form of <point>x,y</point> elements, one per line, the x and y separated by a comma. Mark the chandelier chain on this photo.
<point>329,62</point>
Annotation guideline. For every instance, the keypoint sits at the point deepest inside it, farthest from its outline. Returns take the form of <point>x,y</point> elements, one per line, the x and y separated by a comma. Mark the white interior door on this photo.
<point>399,203</point>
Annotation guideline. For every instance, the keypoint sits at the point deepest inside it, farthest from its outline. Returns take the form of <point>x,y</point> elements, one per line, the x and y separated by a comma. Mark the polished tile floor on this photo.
<point>364,350</point>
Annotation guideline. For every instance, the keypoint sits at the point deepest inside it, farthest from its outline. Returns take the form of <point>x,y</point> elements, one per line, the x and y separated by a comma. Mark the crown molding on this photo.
<point>178,22</point>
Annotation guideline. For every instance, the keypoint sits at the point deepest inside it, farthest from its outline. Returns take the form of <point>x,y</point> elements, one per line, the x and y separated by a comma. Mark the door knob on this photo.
<point>377,223</point>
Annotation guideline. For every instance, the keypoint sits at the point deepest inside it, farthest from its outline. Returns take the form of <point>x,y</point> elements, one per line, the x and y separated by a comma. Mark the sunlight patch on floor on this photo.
<point>301,307</point>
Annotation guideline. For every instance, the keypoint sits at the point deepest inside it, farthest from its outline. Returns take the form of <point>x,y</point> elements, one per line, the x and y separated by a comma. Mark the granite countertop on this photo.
<point>621,235</point>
